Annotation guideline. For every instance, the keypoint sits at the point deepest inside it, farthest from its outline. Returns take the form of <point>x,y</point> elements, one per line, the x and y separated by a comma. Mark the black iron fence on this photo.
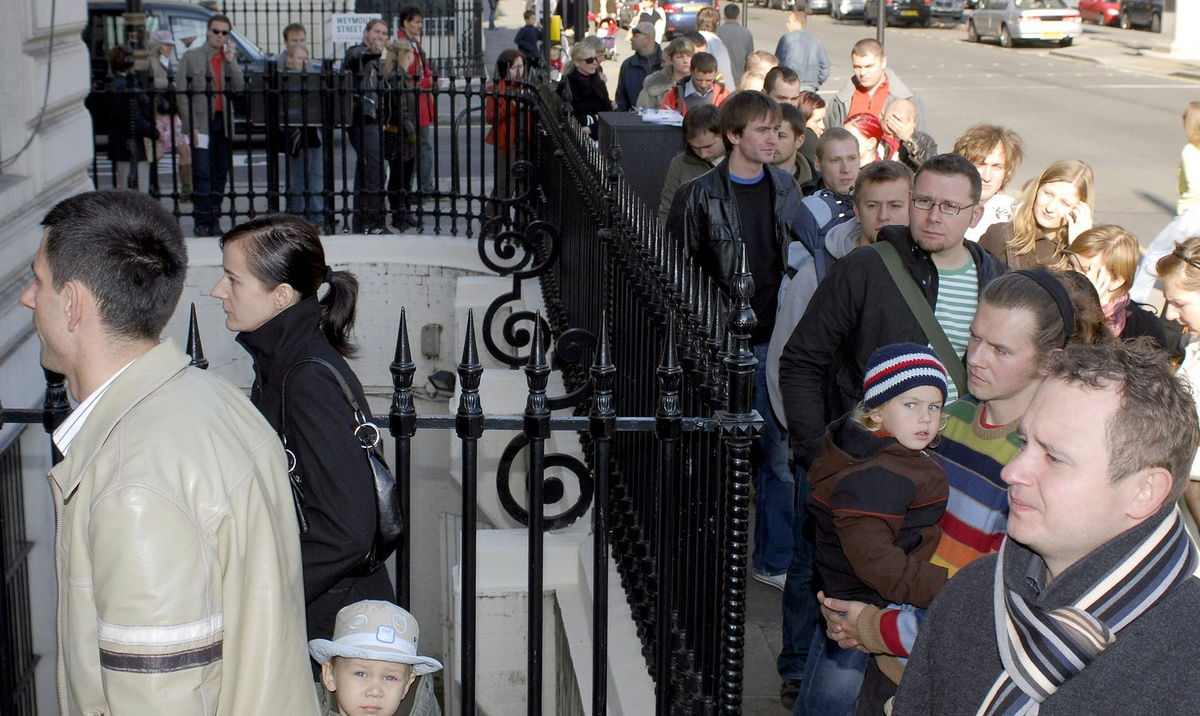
<point>452,34</point>
<point>344,149</point>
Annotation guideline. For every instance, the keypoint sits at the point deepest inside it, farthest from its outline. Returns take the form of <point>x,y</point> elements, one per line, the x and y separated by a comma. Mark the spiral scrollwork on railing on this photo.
<point>541,244</point>
<point>573,348</point>
<point>502,246</point>
<point>554,489</point>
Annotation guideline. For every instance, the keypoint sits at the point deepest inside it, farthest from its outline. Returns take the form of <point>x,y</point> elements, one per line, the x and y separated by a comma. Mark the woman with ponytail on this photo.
<point>273,269</point>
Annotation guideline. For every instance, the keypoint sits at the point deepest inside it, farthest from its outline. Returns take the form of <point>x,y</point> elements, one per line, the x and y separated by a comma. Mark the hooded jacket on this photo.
<point>856,309</point>
<point>655,87</point>
<point>876,506</point>
<point>177,554</point>
<point>839,106</point>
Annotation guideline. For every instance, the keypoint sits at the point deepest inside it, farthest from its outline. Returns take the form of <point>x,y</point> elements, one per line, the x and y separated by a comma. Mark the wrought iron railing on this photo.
<point>291,147</point>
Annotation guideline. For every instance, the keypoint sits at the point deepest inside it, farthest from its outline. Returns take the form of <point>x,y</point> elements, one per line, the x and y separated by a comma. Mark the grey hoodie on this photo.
<point>794,295</point>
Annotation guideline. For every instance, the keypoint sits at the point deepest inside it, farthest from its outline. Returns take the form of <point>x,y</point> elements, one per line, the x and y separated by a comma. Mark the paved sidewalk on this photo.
<point>1140,52</point>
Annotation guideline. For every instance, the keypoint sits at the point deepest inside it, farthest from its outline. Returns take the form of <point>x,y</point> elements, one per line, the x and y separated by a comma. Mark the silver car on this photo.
<point>1013,21</point>
<point>843,9</point>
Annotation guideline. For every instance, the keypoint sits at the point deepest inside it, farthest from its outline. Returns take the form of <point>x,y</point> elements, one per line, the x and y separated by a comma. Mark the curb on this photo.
<point>1186,73</point>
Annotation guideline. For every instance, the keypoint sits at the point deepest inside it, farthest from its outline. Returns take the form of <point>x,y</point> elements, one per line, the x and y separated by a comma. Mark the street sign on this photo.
<point>349,26</point>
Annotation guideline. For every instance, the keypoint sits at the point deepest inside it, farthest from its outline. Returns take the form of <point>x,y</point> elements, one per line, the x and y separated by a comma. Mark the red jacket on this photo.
<point>671,99</point>
<point>505,115</point>
<point>423,78</point>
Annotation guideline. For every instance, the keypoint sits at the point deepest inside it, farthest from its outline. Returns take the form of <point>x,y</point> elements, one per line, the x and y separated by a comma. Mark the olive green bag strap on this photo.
<point>923,313</point>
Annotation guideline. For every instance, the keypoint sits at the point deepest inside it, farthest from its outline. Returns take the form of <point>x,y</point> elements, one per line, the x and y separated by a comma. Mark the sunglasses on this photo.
<point>1179,255</point>
<point>589,60</point>
<point>219,32</point>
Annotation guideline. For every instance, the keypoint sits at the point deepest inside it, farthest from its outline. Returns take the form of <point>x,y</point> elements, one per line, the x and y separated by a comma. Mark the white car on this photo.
<point>1013,21</point>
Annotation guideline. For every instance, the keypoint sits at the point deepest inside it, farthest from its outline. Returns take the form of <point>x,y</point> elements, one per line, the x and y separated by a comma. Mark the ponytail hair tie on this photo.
<point>328,274</point>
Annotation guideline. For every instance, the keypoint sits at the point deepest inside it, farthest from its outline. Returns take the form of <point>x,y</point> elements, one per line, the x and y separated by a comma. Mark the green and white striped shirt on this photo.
<point>958,295</point>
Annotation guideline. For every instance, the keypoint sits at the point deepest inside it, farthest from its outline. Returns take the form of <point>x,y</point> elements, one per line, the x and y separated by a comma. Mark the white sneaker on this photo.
<point>771,580</point>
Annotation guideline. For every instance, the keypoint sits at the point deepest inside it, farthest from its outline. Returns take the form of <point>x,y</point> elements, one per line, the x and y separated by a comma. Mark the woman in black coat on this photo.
<point>273,267</point>
<point>586,81</point>
<point>130,121</point>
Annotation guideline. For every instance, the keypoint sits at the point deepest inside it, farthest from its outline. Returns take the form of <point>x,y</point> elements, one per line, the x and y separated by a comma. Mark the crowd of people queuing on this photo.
<point>976,436</point>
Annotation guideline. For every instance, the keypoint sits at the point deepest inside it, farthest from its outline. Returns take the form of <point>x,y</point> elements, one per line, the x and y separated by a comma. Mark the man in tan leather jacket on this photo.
<point>177,551</point>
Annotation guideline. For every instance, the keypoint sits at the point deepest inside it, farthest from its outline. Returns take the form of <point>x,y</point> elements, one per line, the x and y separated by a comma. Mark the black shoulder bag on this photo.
<point>389,519</point>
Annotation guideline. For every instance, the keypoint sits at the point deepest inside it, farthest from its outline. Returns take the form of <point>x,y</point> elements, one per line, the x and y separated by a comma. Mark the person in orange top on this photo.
<point>872,88</point>
<point>697,89</point>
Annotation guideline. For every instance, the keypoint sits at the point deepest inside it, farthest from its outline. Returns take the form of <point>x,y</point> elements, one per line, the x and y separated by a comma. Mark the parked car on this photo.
<point>848,9</point>
<point>1142,14</point>
<point>188,24</point>
<point>779,4</point>
<point>948,11</point>
<point>1101,12</point>
<point>681,16</point>
<point>819,7</point>
<point>1013,21</point>
<point>900,12</point>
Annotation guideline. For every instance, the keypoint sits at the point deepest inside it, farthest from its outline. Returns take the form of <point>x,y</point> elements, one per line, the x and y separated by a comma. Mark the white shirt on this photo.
<point>997,210</point>
<point>70,427</point>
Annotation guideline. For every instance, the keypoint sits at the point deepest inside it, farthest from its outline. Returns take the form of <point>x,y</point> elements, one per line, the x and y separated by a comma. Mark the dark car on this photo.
<point>681,16</point>
<point>1142,14</point>
<point>901,12</point>
<point>188,24</point>
<point>948,11</point>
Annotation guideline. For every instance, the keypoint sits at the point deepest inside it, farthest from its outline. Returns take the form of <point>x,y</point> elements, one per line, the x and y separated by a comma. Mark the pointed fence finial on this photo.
<point>195,348</point>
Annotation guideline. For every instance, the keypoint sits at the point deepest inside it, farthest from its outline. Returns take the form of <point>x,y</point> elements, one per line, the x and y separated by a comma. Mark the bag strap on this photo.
<point>360,419</point>
<point>915,298</point>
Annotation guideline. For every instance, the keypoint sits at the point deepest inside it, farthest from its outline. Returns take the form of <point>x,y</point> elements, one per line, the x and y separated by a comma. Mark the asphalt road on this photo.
<point>1126,125</point>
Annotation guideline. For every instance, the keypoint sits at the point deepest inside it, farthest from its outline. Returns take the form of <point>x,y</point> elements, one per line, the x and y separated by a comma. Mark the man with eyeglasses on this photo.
<point>858,307</point>
<point>208,75</point>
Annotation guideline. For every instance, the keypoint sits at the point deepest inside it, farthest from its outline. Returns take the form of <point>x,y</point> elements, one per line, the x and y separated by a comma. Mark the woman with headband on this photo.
<point>273,269</point>
<point>1179,272</point>
<point>1023,318</point>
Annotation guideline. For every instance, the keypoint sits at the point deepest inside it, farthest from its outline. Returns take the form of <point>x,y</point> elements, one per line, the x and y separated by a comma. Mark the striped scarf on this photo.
<point>1041,650</point>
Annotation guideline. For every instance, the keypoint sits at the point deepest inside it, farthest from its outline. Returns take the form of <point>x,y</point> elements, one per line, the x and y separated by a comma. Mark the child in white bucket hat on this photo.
<point>372,660</point>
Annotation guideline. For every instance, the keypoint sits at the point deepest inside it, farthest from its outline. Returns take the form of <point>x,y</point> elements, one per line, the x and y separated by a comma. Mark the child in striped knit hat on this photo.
<point>877,495</point>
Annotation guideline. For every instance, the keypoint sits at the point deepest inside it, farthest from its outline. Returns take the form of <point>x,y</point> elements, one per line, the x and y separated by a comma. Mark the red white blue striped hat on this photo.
<point>898,368</point>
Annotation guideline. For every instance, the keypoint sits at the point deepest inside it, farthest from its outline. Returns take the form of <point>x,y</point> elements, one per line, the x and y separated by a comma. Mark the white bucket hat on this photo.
<point>375,631</point>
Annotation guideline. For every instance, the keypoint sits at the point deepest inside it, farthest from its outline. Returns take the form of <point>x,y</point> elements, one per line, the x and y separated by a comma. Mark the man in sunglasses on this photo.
<point>208,76</point>
<point>859,307</point>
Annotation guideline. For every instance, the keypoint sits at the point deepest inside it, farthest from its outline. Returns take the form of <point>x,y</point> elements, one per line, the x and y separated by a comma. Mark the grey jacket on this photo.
<point>739,42</point>
<point>804,53</point>
<point>655,87</point>
<point>195,72</point>
<point>839,106</point>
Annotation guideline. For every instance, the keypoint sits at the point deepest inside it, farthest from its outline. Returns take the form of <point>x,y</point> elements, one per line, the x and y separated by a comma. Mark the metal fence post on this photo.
<point>740,425</point>
<point>403,426</point>
<point>195,348</point>
<point>668,428</point>
<point>537,430</point>
<point>602,424</point>
<point>469,426</point>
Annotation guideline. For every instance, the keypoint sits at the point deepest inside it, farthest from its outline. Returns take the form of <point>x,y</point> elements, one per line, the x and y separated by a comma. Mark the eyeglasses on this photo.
<point>1179,255</point>
<point>947,208</point>
<point>589,60</point>
<point>215,31</point>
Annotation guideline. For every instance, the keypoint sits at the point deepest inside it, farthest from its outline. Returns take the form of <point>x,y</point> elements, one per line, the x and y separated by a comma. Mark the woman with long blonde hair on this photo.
<point>1052,211</point>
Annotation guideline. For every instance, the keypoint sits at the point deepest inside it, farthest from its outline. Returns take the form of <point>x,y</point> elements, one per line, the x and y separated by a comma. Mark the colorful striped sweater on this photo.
<point>972,526</point>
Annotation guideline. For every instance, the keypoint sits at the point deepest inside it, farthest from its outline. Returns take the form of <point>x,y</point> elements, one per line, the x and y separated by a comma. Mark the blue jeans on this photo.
<point>210,169</point>
<point>832,679</point>
<point>801,612</point>
<point>425,165</point>
<point>775,488</point>
<point>305,182</point>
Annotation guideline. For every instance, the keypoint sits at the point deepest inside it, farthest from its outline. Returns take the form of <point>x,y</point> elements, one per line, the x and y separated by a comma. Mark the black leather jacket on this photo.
<point>706,212</point>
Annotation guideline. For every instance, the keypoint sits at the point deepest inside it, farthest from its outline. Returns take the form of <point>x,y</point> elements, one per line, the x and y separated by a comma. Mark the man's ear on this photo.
<point>1153,488</point>
<point>78,299</point>
<point>976,214</point>
<point>734,139</point>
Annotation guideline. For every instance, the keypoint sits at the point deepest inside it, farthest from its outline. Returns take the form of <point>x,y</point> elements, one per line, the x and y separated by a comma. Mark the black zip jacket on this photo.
<point>855,309</point>
<point>339,495</point>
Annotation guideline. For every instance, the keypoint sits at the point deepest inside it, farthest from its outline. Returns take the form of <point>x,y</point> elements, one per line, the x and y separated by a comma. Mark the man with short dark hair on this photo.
<point>738,40</point>
<point>293,34</point>
<point>745,204</point>
<point>803,53</point>
<point>782,85</point>
<point>646,58</point>
<point>858,307</point>
<point>177,550</point>
<point>704,150</point>
<point>871,89</point>
<point>1087,608</point>
<point>529,39</point>
<point>210,67</point>
<point>697,89</point>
